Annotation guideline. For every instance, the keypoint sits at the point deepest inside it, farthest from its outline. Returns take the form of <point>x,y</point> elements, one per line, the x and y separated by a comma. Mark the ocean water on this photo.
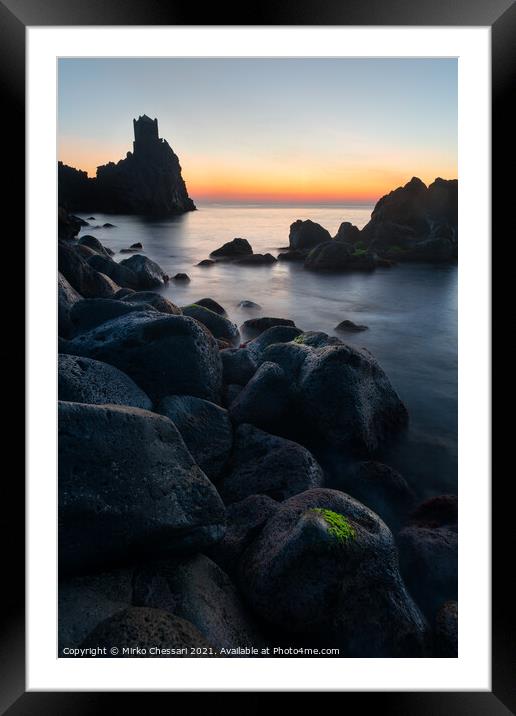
<point>411,310</point>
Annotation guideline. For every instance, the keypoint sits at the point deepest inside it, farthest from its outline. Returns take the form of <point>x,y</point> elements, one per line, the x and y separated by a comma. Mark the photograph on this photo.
<point>257,357</point>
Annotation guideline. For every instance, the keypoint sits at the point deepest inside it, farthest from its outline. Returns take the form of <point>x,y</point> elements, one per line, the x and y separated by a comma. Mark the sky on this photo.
<point>266,129</point>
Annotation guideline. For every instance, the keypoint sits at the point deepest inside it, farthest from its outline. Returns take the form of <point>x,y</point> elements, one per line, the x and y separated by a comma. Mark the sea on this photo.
<point>410,309</point>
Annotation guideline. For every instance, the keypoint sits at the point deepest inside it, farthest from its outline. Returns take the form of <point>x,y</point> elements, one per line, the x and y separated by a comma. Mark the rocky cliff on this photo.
<point>148,181</point>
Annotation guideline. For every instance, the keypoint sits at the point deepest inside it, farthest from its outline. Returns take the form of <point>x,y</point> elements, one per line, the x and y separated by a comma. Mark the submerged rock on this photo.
<point>181,277</point>
<point>163,354</point>
<point>325,564</point>
<point>206,263</point>
<point>83,380</point>
<point>256,260</point>
<point>263,464</point>
<point>249,304</point>
<point>205,428</point>
<point>349,326</point>
<point>156,631</point>
<point>233,249</point>
<point>128,487</point>
<point>307,234</point>
<point>148,273</point>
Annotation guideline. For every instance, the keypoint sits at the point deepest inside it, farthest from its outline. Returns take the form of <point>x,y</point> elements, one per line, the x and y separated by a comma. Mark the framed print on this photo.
<point>259,401</point>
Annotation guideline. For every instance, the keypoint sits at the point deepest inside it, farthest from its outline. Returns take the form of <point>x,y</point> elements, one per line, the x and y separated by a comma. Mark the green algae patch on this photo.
<point>299,339</point>
<point>338,525</point>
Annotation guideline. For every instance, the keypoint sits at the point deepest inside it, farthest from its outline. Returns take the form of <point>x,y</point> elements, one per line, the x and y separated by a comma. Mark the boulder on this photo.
<point>340,396</point>
<point>238,366</point>
<point>123,292</point>
<point>428,548</point>
<point>92,312</point>
<point>212,305</point>
<point>263,464</point>
<point>83,380</point>
<point>231,392</point>
<point>348,232</point>
<point>68,226</point>
<point>148,273</point>
<point>219,326</point>
<point>446,631</point>
<point>81,276</point>
<point>276,334</point>
<point>205,428</point>
<point>108,225</point>
<point>233,249</point>
<point>245,519</point>
<point>85,251</point>
<point>307,234</point>
<point>86,601</point>
<point>142,631</point>
<point>379,487</point>
<point>156,300</point>
<point>94,244</point>
<point>164,355</point>
<point>292,256</point>
<point>317,339</point>
<point>348,326</point>
<point>338,256</point>
<point>256,260</point>
<point>264,400</point>
<point>197,590</point>
<point>67,296</point>
<point>254,326</point>
<point>181,277</point>
<point>325,564</point>
<point>122,275</point>
<point>128,488</point>
<point>205,263</point>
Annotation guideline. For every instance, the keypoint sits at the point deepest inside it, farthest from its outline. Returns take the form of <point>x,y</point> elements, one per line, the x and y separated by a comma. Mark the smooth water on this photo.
<point>411,310</point>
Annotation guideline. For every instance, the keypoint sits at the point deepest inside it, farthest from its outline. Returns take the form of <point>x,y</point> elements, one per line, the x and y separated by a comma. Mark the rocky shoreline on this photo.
<point>196,509</point>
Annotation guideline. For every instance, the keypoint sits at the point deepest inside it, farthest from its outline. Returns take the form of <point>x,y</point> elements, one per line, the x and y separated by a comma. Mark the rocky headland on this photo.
<point>198,510</point>
<point>147,181</point>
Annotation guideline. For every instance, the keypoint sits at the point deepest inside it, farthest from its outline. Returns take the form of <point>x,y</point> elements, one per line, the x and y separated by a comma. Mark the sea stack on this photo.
<point>148,181</point>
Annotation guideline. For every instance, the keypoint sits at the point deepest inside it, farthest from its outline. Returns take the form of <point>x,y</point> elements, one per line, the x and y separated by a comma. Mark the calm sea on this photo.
<point>411,310</point>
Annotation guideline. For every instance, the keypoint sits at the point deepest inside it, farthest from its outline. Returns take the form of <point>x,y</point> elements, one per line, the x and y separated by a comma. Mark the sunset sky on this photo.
<point>286,130</point>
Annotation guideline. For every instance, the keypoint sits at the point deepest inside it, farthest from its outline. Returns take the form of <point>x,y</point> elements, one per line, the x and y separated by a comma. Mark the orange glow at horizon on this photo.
<point>291,178</point>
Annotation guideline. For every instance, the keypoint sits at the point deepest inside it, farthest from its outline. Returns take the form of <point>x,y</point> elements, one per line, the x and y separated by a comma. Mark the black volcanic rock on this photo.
<point>148,181</point>
<point>307,234</point>
<point>257,260</point>
<point>233,249</point>
<point>348,232</point>
<point>148,273</point>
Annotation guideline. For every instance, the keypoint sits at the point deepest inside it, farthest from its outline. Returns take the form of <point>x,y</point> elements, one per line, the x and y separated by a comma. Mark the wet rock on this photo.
<point>245,519</point>
<point>256,260</point>
<point>446,631</point>
<point>254,326</point>
<point>67,296</point>
<point>81,276</point>
<point>292,256</point>
<point>349,326</point>
<point>205,428</point>
<point>155,631</point>
<point>122,275</point>
<point>238,366</point>
<point>428,549</point>
<point>276,334</point>
<point>128,487</point>
<point>265,400</point>
<point>317,339</point>
<point>148,273</point>
<point>83,380</point>
<point>197,590</point>
<point>206,263</point>
<point>181,277</point>
<point>164,355</point>
<point>93,243</point>
<point>212,305</point>
<point>123,292</point>
<point>68,226</point>
<point>342,397</point>
<point>249,304</point>
<point>92,312</point>
<point>85,251</point>
<point>307,234</point>
<point>231,393</point>
<point>156,300</point>
<point>338,256</point>
<point>86,601</point>
<point>233,249</point>
<point>219,326</point>
<point>325,564</point>
<point>263,464</point>
<point>348,232</point>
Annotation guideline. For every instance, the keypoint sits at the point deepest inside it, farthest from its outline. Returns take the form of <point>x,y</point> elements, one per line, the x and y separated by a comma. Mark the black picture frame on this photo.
<point>15,17</point>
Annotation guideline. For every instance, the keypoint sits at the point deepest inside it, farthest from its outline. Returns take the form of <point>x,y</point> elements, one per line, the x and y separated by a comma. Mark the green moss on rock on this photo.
<point>338,525</point>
